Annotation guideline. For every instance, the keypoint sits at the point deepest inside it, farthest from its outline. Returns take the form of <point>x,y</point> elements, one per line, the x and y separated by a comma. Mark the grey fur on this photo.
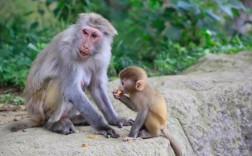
<point>59,63</point>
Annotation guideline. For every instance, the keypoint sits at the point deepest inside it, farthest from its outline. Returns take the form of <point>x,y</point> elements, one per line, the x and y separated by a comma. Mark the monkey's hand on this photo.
<point>125,122</point>
<point>109,133</point>
<point>117,93</point>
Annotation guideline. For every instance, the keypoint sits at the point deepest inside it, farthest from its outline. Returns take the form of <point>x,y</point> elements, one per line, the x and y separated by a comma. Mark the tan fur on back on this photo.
<point>157,105</point>
<point>157,115</point>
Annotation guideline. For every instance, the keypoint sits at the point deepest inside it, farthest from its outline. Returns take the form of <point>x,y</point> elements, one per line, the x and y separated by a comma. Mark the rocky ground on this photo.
<point>210,113</point>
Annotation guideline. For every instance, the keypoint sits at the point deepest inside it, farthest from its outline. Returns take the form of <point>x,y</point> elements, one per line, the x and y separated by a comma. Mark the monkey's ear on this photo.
<point>140,84</point>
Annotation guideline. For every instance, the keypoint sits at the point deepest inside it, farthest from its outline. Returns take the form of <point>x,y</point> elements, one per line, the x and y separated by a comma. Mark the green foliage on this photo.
<point>173,57</point>
<point>21,40</point>
<point>20,43</point>
<point>184,21</point>
<point>68,10</point>
<point>169,39</point>
<point>163,39</point>
<point>11,99</point>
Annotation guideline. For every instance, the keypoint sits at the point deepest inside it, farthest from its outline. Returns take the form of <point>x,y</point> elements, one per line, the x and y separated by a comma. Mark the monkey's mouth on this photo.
<point>84,53</point>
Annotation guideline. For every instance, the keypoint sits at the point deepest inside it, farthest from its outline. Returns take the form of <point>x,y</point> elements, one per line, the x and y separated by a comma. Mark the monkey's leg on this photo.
<point>152,126</point>
<point>84,106</point>
<point>63,126</point>
<point>144,134</point>
<point>59,120</point>
<point>76,118</point>
<point>79,120</point>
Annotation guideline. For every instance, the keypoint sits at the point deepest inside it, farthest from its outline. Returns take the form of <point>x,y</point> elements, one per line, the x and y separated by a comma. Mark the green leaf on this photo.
<point>41,12</point>
<point>34,25</point>
<point>174,33</point>
<point>28,13</point>
<point>31,46</point>
<point>227,10</point>
<point>184,5</point>
<point>213,15</point>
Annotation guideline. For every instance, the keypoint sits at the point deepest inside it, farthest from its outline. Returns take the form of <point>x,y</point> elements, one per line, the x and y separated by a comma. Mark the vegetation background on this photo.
<point>162,36</point>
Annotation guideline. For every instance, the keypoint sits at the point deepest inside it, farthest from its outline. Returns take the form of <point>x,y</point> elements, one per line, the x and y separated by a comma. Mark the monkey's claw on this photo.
<point>112,133</point>
<point>125,122</point>
<point>109,133</point>
<point>128,138</point>
<point>117,94</point>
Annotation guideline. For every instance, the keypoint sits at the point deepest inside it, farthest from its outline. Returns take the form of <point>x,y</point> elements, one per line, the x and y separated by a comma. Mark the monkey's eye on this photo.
<point>94,35</point>
<point>85,32</point>
<point>122,83</point>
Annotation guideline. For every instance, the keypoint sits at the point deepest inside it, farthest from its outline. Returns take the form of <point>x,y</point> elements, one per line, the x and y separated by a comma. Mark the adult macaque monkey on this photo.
<point>148,102</point>
<point>75,60</point>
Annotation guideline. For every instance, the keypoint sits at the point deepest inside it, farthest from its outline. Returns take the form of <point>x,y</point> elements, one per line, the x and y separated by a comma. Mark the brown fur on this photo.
<point>145,98</point>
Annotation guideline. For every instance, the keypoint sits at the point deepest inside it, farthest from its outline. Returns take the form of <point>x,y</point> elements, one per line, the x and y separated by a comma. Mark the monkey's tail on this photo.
<point>23,124</point>
<point>174,144</point>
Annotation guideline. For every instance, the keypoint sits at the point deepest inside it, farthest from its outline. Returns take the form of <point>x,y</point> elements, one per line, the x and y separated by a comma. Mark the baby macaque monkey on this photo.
<point>148,102</point>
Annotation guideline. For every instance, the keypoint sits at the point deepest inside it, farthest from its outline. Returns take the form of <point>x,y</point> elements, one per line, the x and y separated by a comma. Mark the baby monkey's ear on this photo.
<point>140,84</point>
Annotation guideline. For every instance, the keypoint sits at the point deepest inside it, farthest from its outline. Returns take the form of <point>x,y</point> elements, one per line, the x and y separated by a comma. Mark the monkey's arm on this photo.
<point>83,104</point>
<point>100,96</point>
<point>141,116</point>
<point>128,102</point>
<point>73,93</point>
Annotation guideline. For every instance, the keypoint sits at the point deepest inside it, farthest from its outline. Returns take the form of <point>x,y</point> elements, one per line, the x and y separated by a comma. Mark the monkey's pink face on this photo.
<point>90,37</point>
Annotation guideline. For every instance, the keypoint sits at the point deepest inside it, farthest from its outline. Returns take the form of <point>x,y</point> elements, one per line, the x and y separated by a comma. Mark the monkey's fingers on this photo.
<point>130,122</point>
<point>125,122</point>
<point>114,91</point>
<point>117,92</point>
<point>116,96</point>
<point>128,138</point>
<point>131,139</point>
<point>109,133</point>
<point>112,133</point>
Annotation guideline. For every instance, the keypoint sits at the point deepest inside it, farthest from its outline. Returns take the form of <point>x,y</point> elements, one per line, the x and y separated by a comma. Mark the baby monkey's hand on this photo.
<point>117,93</point>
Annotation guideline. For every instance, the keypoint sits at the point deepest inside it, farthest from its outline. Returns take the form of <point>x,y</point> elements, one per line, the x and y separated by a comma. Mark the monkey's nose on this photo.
<point>85,47</point>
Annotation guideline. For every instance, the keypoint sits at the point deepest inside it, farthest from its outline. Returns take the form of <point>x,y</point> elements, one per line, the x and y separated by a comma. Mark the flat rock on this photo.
<point>210,113</point>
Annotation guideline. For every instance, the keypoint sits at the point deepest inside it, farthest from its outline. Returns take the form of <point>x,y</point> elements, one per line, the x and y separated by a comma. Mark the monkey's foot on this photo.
<point>144,134</point>
<point>109,133</point>
<point>128,138</point>
<point>63,126</point>
<point>124,122</point>
<point>79,120</point>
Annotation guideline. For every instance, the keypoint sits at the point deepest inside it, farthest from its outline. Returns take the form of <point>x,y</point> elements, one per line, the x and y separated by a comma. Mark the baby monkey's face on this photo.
<point>127,86</point>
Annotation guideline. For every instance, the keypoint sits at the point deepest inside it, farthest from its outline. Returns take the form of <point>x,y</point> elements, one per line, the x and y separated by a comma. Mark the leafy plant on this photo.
<point>163,38</point>
<point>20,43</point>
<point>171,58</point>
<point>11,99</point>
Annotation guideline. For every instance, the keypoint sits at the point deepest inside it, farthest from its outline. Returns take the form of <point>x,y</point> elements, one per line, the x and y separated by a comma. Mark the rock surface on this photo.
<point>210,114</point>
